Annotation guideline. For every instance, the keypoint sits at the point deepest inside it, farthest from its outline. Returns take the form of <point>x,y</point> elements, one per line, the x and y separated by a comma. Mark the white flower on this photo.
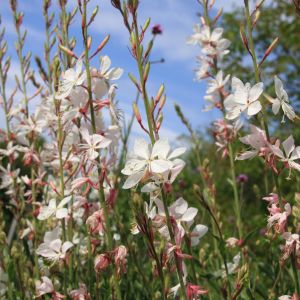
<point>44,287</point>
<point>101,78</point>
<point>93,143</point>
<point>168,176</point>
<point>11,149</point>
<point>198,232</point>
<point>148,160</point>
<point>232,266</point>
<point>257,140</point>
<point>291,153</point>
<point>244,98</point>
<point>217,83</point>
<point>71,78</point>
<point>59,211</point>
<point>53,248</point>
<point>282,101</point>
<point>202,70</point>
<point>180,212</point>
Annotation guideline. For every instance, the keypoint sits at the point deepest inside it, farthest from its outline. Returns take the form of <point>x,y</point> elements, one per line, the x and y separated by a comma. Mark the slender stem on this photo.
<point>3,95</point>
<point>171,233</point>
<point>47,51</point>
<point>108,233</point>
<point>223,253</point>
<point>237,203</point>
<point>140,65</point>
<point>295,273</point>
<point>263,116</point>
<point>188,246</point>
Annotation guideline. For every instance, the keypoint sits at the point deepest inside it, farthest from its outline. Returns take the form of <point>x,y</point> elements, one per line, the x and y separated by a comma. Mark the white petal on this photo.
<point>216,34</point>
<point>254,108</point>
<point>61,213</point>
<point>141,148</point>
<point>177,152</point>
<point>160,149</point>
<point>159,166</point>
<point>149,187</point>
<point>190,214</point>
<point>288,145</point>
<point>104,63</point>
<point>256,91</point>
<point>45,251</point>
<point>237,84</point>
<point>201,230</point>
<point>100,88</point>
<point>247,155</point>
<point>133,180</point>
<point>114,73</point>
<point>64,201</point>
<point>179,207</point>
<point>55,245</point>
<point>66,246</point>
<point>275,106</point>
<point>278,86</point>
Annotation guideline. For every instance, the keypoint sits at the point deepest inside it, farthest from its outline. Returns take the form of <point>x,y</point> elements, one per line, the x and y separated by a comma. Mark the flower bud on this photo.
<point>146,72</point>
<point>102,261</point>
<point>136,112</point>
<point>146,25</point>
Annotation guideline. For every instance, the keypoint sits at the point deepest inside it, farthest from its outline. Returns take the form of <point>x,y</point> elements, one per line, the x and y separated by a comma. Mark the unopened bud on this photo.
<point>94,14</point>
<point>146,25</point>
<point>136,112</point>
<point>159,93</point>
<point>244,39</point>
<point>149,47</point>
<point>269,50</point>
<point>218,15</point>
<point>146,72</point>
<point>67,51</point>
<point>101,46</point>
<point>162,102</point>
<point>134,81</point>
<point>255,18</point>
<point>89,42</point>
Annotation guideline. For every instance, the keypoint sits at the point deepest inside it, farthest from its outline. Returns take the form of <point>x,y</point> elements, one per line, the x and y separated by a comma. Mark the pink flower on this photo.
<point>277,218</point>
<point>292,244</point>
<point>120,254</point>
<point>95,222</point>
<point>46,287</point>
<point>232,242</point>
<point>272,198</point>
<point>193,291</point>
<point>102,261</point>
<point>257,140</point>
<point>291,153</point>
<point>80,294</point>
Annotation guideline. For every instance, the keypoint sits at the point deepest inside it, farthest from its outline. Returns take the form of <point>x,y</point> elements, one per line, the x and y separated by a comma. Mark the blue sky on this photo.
<point>176,17</point>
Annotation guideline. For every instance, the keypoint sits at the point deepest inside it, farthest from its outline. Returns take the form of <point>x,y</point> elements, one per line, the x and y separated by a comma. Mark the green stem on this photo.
<point>19,48</point>
<point>47,52</point>
<point>140,65</point>
<point>171,233</point>
<point>295,273</point>
<point>3,94</point>
<point>108,233</point>
<point>223,253</point>
<point>237,204</point>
